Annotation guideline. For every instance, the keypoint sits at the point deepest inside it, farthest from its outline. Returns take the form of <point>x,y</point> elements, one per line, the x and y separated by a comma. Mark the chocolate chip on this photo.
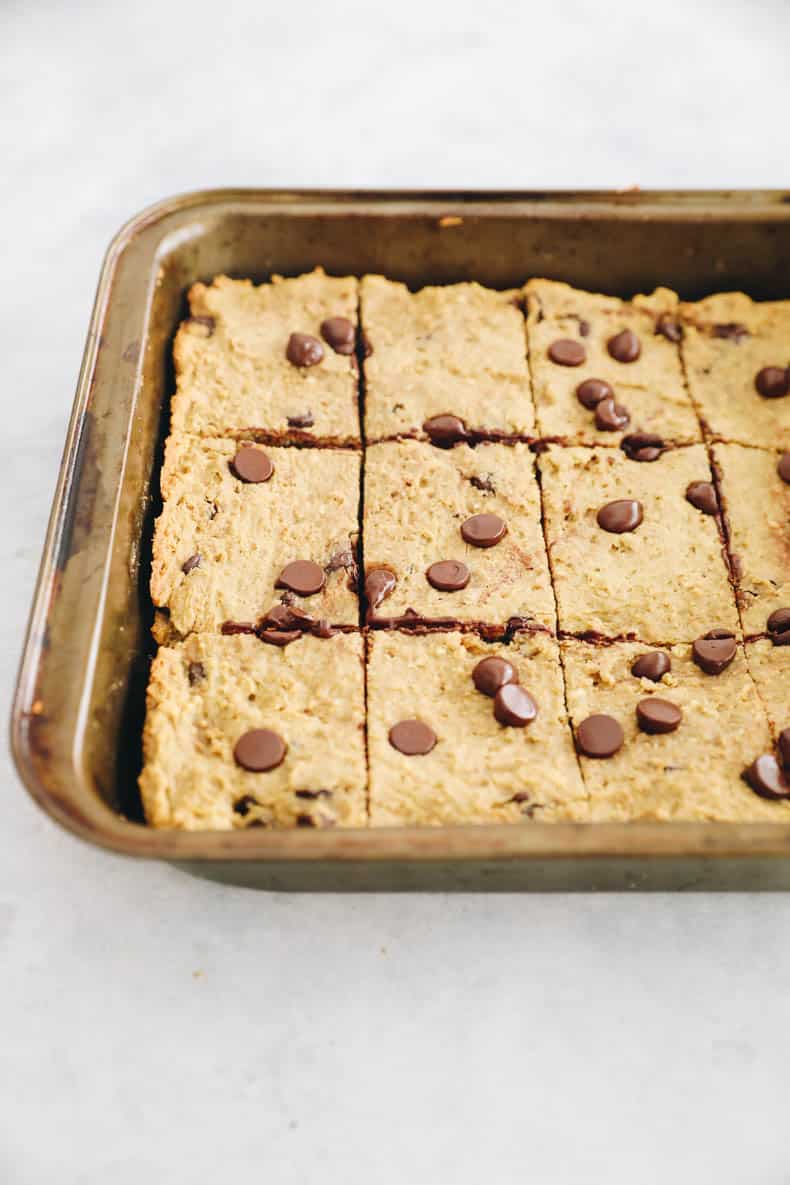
<point>611,416</point>
<point>584,327</point>
<point>642,446</point>
<point>784,748</point>
<point>730,330</point>
<point>196,673</point>
<point>714,652</point>
<point>653,665</point>
<point>783,468</point>
<point>486,484</point>
<point>448,575</point>
<point>412,737</point>
<point>654,715</point>
<point>302,577</point>
<point>379,583</point>
<point>702,496</point>
<point>311,794</point>
<point>279,638</point>
<point>190,564</point>
<point>484,530</point>
<point>242,806</point>
<point>365,345</point>
<point>514,706</point>
<point>445,430</point>
<point>624,346</point>
<point>237,627</point>
<point>492,673</point>
<point>623,515</point>
<point>304,350</point>
<point>592,391</point>
<point>766,778</point>
<point>340,334</point>
<point>567,352</point>
<point>252,465</point>
<point>778,626</point>
<point>599,736</point>
<point>341,559</point>
<point>260,750</point>
<point>669,327</point>
<point>305,420</point>
<point>772,382</point>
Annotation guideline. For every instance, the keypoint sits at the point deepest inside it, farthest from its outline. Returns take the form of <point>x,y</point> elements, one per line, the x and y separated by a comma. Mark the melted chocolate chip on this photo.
<point>260,750</point>
<point>483,530</point>
<point>279,638</point>
<point>624,346</point>
<point>305,420</point>
<point>654,715</point>
<point>702,496</point>
<point>669,327</point>
<point>778,626</point>
<point>190,564</point>
<point>618,517</point>
<point>237,627</point>
<point>340,334</point>
<point>311,794</point>
<point>492,673</point>
<point>302,577</point>
<point>642,446</point>
<point>592,391</point>
<point>653,665</point>
<point>251,465</point>
<point>584,327</point>
<point>242,806</point>
<point>731,331</point>
<point>448,575</point>
<point>365,345</point>
<point>599,736</point>
<point>714,652</point>
<point>379,583</point>
<point>486,484</point>
<point>611,416</point>
<point>196,673</point>
<point>445,430</point>
<point>783,468</point>
<point>514,706</point>
<point>784,748</point>
<point>766,778</point>
<point>567,352</point>
<point>412,737</point>
<point>304,350</point>
<point>772,382</point>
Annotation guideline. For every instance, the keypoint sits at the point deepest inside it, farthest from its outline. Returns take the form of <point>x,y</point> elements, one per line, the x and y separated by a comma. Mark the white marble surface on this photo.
<point>156,1028</point>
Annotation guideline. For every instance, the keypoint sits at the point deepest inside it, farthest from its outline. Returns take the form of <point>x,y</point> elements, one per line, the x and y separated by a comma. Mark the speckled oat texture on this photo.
<point>652,388</point>
<point>205,693</point>
<point>667,580</point>
<point>479,770</point>
<point>721,370</point>
<point>770,669</point>
<point>757,507</point>
<point>244,534</point>
<point>416,499</point>
<point>692,774</point>
<point>455,350</point>
<point>232,374</point>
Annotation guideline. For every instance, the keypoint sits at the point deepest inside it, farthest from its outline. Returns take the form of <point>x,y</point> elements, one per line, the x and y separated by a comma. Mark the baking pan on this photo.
<point>78,711</point>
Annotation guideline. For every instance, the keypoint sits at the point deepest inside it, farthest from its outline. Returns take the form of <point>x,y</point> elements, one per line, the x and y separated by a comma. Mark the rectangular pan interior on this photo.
<point>79,707</point>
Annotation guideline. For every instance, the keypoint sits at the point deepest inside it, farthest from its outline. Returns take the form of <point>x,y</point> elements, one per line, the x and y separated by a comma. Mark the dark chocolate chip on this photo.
<point>484,530</point>
<point>190,564</point>
<point>642,446</point>
<point>714,652</point>
<point>305,420</point>
<point>778,626</point>
<point>311,794</point>
<point>237,627</point>
<point>731,331</point>
<point>772,382</point>
<point>669,327</point>
<point>623,515</point>
<point>305,821</point>
<point>783,468</point>
<point>599,736</point>
<point>766,778</point>
<point>653,665</point>
<point>492,673</point>
<point>412,737</point>
<point>302,577</point>
<point>279,638</point>
<point>611,416</point>
<point>196,673</point>
<point>592,391</point>
<point>304,350</point>
<point>702,496</point>
<point>486,484</point>
<point>567,352</point>
<point>365,345</point>
<point>242,806</point>
<point>584,327</point>
<point>252,465</point>
<point>784,748</point>
<point>624,346</point>
<point>448,575</point>
<point>379,583</point>
<point>514,706</point>
<point>654,715</point>
<point>260,750</point>
<point>340,334</point>
<point>445,430</point>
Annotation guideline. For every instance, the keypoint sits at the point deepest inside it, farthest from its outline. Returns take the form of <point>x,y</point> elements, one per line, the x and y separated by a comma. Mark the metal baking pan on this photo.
<point>78,712</point>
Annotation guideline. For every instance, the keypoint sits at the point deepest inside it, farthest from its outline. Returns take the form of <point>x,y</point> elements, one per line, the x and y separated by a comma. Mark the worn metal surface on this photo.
<point>79,704</point>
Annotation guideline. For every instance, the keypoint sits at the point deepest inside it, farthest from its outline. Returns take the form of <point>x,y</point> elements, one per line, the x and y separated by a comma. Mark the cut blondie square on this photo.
<point>770,669</point>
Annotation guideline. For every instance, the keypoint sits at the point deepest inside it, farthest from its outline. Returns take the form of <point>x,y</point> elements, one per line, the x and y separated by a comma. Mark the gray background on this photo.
<point>157,1028</point>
